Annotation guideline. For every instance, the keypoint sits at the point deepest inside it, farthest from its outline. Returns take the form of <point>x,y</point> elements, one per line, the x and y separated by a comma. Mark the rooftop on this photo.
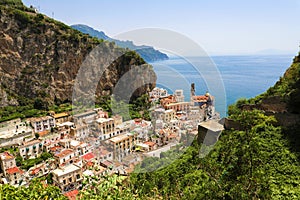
<point>14,170</point>
<point>60,115</point>
<point>64,153</point>
<point>66,170</point>
<point>119,138</point>
<point>212,125</point>
<point>38,119</point>
<point>30,143</point>
<point>6,156</point>
<point>88,156</point>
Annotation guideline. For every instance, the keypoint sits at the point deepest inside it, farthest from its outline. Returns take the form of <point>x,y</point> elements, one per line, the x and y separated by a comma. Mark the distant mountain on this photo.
<point>148,53</point>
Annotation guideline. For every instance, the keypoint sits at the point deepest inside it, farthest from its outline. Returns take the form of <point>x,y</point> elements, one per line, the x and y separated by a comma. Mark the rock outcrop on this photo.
<point>40,58</point>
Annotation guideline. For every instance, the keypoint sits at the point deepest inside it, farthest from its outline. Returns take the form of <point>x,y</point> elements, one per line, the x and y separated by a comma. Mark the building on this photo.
<point>86,117</point>
<point>65,158</point>
<point>165,115</point>
<point>61,117</point>
<point>158,93</point>
<point>31,149</point>
<point>15,132</point>
<point>79,131</point>
<point>42,123</point>
<point>122,145</point>
<point>68,178</point>
<point>209,132</point>
<point>178,95</point>
<point>178,106</point>
<point>80,148</point>
<point>7,161</point>
<point>14,175</point>
<point>110,127</point>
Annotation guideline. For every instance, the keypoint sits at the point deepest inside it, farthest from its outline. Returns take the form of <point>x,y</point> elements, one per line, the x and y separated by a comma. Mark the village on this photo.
<point>71,148</point>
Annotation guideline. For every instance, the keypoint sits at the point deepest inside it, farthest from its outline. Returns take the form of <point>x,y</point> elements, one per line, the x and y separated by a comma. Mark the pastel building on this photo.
<point>68,178</point>
<point>42,123</point>
<point>31,149</point>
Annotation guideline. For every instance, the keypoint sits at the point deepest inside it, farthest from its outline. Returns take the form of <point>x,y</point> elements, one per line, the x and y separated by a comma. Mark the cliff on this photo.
<point>40,58</point>
<point>148,53</point>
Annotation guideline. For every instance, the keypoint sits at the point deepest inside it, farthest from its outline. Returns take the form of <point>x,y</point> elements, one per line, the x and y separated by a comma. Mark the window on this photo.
<point>78,176</point>
<point>64,181</point>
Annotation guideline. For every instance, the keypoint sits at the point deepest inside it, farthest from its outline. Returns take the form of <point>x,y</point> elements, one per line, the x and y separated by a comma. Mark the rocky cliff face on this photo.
<point>40,58</point>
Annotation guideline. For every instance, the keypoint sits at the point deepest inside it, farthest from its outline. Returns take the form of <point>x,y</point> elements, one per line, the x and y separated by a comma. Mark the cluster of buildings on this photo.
<point>93,143</point>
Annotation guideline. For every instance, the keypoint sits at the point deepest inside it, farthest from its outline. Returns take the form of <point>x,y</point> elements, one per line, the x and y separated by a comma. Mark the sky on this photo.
<point>221,27</point>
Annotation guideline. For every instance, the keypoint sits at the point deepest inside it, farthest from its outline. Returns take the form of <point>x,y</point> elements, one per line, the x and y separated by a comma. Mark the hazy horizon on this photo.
<point>221,28</point>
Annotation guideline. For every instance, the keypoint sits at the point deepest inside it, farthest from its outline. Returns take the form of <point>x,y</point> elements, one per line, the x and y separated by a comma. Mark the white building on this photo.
<point>42,123</point>
<point>31,149</point>
<point>14,132</point>
<point>68,178</point>
<point>179,97</point>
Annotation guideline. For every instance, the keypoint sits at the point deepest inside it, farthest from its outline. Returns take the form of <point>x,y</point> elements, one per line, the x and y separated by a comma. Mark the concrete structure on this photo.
<point>31,149</point>
<point>14,132</point>
<point>7,161</point>
<point>68,178</point>
<point>65,158</point>
<point>61,117</point>
<point>14,176</point>
<point>86,117</point>
<point>42,123</point>
<point>178,95</point>
<point>209,132</point>
<point>122,145</point>
<point>79,131</point>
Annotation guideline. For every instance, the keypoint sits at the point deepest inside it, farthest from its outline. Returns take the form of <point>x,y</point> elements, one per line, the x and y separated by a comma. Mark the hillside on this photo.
<point>259,158</point>
<point>148,53</point>
<point>40,59</point>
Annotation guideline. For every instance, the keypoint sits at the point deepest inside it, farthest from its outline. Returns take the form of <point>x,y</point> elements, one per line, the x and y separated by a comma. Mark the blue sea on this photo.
<point>228,78</point>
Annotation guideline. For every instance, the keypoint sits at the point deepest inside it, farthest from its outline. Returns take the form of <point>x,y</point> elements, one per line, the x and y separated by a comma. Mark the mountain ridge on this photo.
<point>148,53</point>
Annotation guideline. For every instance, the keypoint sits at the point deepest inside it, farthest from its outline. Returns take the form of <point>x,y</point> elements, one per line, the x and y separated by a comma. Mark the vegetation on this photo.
<point>36,190</point>
<point>253,163</point>
<point>28,163</point>
<point>138,108</point>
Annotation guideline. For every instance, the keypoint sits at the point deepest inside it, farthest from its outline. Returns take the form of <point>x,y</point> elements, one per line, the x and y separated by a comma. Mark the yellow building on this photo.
<point>122,145</point>
<point>68,178</point>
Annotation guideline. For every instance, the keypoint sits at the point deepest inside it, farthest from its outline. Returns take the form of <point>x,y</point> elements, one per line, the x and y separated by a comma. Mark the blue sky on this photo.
<point>219,26</point>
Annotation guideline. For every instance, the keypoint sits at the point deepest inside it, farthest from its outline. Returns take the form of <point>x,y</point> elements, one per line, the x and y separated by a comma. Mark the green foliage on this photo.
<point>254,163</point>
<point>107,187</point>
<point>36,190</point>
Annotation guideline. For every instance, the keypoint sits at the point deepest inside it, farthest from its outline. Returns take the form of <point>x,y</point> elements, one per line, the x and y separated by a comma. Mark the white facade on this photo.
<point>40,124</point>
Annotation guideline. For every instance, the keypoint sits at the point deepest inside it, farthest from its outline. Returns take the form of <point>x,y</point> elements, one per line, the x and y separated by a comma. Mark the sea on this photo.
<point>227,78</point>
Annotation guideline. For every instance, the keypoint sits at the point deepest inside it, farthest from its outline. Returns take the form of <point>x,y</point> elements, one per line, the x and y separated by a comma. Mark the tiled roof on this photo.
<point>72,194</point>
<point>150,143</point>
<point>14,170</point>
<point>88,156</point>
<point>6,156</point>
<point>64,153</point>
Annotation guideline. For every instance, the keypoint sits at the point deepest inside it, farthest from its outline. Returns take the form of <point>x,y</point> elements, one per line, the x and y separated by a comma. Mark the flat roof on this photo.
<point>212,125</point>
<point>63,114</point>
<point>66,170</point>
<point>102,120</point>
<point>119,138</point>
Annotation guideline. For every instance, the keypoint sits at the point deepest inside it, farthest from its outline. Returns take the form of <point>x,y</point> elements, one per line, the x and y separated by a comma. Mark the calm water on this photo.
<point>228,78</point>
